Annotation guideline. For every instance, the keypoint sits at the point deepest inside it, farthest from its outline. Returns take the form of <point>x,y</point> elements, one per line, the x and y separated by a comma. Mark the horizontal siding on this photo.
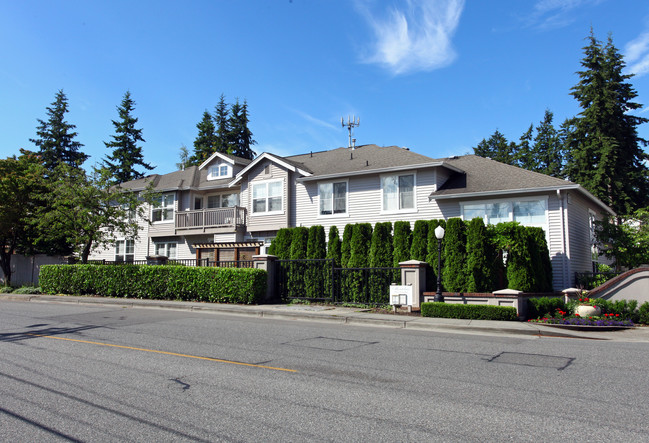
<point>267,222</point>
<point>579,230</point>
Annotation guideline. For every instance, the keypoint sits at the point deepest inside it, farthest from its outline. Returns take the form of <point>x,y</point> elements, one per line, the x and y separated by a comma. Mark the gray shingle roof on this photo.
<point>365,157</point>
<point>483,175</point>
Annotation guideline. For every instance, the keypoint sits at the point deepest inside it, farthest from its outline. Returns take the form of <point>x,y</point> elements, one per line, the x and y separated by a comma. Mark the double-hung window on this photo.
<point>166,249</point>
<point>267,197</point>
<point>124,250</point>
<point>333,198</point>
<point>219,171</point>
<point>163,208</point>
<point>398,192</point>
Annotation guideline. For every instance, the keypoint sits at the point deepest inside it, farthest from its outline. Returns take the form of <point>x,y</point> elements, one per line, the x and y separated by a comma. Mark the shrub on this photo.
<point>231,285</point>
<point>472,312</point>
<point>541,257</point>
<point>296,284</point>
<point>480,258</point>
<point>515,240</point>
<point>359,258</point>
<point>380,257</point>
<point>544,306</point>
<point>281,245</point>
<point>419,246</point>
<point>6,289</point>
<point>346,245</point>
<point>454,271</point>
<point>333,246</point>
<point>432,255</point>
<point>27,290</point>
<point>315,271</point>
<point>402,241</point>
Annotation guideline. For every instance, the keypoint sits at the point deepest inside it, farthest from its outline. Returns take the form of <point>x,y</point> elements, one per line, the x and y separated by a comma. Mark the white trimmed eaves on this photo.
<point>213,156</point>
<point>269,157</point>
<point>504,192</point>
<point>379,171</point>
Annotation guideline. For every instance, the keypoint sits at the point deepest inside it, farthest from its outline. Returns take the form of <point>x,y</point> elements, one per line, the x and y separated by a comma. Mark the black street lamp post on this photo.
<point>439,233</point>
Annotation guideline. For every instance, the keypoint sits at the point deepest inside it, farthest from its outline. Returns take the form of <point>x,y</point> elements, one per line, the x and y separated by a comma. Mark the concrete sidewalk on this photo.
<point>349,316</point>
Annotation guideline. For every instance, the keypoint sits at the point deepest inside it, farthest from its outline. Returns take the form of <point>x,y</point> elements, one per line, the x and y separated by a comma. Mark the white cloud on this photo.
<point>414,37</point>
<point>552,14</point>
<point>636,54</point>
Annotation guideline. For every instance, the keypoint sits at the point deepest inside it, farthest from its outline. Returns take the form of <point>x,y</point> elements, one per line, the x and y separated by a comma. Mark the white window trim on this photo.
<point>510,201</point>
<point>173,209</point>
<point>166,243</point>
<point>252,200</point>
<point>332,215</point>
<point>414,193</point>
<point>217,168</point>
<point>124,254</point>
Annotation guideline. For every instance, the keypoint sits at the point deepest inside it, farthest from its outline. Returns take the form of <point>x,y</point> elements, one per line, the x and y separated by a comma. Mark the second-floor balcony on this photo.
<point>211,220</point>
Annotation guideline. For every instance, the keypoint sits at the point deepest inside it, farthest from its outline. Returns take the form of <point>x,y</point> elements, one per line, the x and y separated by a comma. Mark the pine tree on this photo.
<point>497,148</point>
<point>605,154</point>
<point>55,137</point>
<point>548,149</point>
<point>126,154</point>
<point>524,156</point>
<point>206,140</point>
<point>240,139</point>
<point>222,126</point>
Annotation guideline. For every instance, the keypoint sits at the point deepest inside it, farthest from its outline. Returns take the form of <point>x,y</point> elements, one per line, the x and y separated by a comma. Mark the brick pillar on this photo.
<point>267,263</point>
<point>413,272</point>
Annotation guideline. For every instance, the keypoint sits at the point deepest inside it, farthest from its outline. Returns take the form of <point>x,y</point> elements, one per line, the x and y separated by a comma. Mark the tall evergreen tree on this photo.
<point>222,126</point>
<point>548,149</point>
<point>605,154</point>
<point>206,141</point>
<point>56,137</point>
<point>454,270</point>
<point>524,156</point>
<point>497,148</point>
<point>419,244</point>
<point>126,154</point>
<point>333,246</point>
<point>240,137</point>
<point>480,260</point>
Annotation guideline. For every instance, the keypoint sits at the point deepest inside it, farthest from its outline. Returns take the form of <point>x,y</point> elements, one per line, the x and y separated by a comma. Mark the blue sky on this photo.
<point>436,76</point>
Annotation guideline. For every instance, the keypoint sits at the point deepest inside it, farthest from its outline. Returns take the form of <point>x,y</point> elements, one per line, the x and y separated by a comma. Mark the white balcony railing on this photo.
<point>211,218</point>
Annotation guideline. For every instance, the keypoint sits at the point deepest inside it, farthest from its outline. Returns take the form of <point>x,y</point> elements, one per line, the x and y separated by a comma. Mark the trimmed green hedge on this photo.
<point>218,285</point>
<point>471,312</point>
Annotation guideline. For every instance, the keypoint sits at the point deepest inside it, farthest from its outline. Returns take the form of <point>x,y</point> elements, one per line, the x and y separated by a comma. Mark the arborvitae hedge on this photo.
<point>419,247</point>
<point>281,245</point>
<point>432,255</point>
<point>316,271</point>
<point>346,245</point>
<point>480,258</point>
<point>381,257</point>
<point>402,241</point>
<point>516,241</point>
<point>453,273</point>
<point>208,284</point>
<point>542,256</point>
<point>359,258</point>
<point>333,246</point>
<point>296,284</point>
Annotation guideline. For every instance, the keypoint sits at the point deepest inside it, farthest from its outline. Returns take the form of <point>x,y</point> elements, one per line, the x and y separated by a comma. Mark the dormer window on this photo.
<point>221,170</point>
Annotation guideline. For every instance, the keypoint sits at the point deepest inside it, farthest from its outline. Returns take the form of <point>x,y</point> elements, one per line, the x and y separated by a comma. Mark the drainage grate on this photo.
<point>330,344</point>
<point>535,360</point>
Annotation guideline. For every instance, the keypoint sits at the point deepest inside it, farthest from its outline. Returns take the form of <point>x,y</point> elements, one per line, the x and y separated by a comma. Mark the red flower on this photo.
<point>576,315</point>
<point>617,315</point>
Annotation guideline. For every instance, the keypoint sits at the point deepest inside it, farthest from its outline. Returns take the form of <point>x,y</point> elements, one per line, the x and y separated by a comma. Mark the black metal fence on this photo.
<point>591,280</point>
<point>318,280</point>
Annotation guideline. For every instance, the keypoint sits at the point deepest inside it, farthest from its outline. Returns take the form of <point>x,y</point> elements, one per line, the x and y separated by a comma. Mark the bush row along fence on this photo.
<point>208,284</point>
<point>319,280</point>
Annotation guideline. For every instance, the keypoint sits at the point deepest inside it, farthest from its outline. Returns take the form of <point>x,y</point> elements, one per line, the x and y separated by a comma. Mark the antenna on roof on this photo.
<point>351,124</point>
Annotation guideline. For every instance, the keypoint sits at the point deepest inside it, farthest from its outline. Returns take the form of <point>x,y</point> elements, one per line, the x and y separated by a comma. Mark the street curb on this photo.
<point>334,315</point>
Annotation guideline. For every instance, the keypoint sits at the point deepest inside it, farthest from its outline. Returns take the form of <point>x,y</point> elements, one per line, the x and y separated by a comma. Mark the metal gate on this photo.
<point>319,281</point>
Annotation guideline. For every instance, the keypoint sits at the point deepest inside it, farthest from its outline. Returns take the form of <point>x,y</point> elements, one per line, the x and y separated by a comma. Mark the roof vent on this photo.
<point>407,149</point>
<point>453,157</point>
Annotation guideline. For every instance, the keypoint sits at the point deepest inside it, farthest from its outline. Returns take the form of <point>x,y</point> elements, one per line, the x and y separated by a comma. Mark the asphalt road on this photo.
<point>92,373</point>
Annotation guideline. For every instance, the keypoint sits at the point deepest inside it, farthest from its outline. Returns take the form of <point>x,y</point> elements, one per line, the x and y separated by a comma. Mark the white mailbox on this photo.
<point>401,295</point>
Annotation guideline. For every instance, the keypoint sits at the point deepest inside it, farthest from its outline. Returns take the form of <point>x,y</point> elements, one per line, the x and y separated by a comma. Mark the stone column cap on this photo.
<point>507,292</point>
<point>413,263</point>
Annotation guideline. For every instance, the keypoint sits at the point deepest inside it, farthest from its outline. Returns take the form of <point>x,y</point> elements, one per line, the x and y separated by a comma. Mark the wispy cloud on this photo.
<point>315,120</point>
<point>636,55</point>
<point>416,36</point>
<point>552,14</point>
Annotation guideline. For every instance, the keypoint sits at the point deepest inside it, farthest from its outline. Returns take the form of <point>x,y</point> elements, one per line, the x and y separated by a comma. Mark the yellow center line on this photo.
<point>166,353</point>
